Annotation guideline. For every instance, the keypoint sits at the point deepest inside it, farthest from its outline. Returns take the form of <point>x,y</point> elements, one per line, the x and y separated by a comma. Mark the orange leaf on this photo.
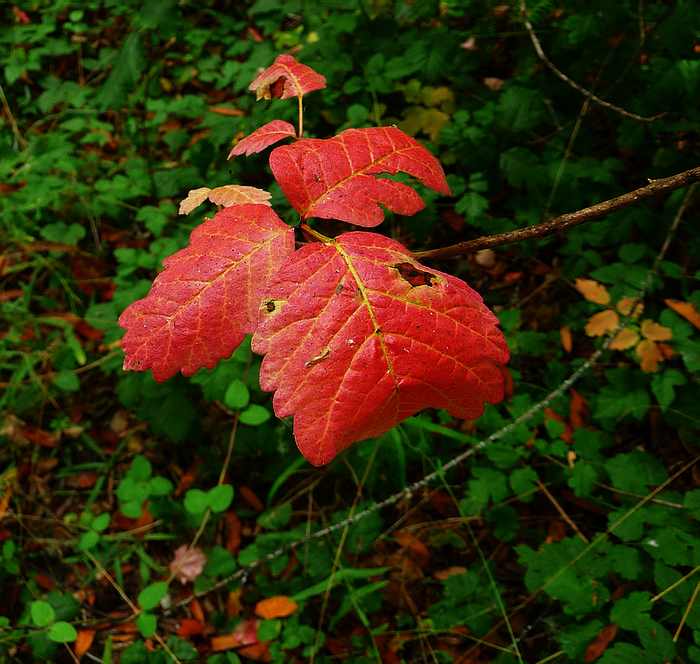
<point>601,323</point>
<point>566,340</point>
<point>189,627</point>
<point>593,291</point>
<point>649,355</point>
<point>196,610</point>
<point>577,410</point>
<point>685,309</point>
<point>655,332</point>
<point>624,306</point>
<point>279,606</point>
<point>411,543</point>
<point>222,110</point>
<point>624,339</point>
<point>83,641</point>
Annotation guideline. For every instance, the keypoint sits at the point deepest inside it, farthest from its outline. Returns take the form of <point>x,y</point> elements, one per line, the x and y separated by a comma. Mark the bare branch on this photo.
<point>560,74</point>
<point>565,221</point>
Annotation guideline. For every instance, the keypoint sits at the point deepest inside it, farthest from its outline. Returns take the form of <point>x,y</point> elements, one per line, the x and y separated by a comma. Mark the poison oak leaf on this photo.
<point>685,309</point>
<point>226,196</point>
<point>286,78</point>
<point>602,323</point>
<point>593,291</point>
<point>624,339</point>
<point>357,336</point>
<point>279,606</point>
<point>334,178</point>
<point>261,138</point>
<point>649,356</point>
<point>654,331</point>
<point>206,299</point>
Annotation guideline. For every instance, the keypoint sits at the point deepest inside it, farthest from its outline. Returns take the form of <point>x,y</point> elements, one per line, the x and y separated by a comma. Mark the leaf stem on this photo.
<point>300,131</point>
<point>319,236</point>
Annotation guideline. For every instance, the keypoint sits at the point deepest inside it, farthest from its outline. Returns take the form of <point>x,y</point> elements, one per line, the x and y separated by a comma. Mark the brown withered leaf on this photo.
<point>655,332</point>
<point>685,309</point>
<point>599,645</point>
<point>188,563</point>
<point>602,323</point>
<point>226,196</point>
<point>593,291</point>
<point>624,339</point>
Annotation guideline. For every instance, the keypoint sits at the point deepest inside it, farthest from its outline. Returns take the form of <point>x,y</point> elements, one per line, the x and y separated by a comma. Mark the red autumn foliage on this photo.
<point>261,138</point>
<point>334,178</point>
<point>357,335</point>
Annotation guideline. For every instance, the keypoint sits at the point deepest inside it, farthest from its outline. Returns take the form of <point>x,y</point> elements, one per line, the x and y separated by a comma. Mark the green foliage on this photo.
<point>120,108</point>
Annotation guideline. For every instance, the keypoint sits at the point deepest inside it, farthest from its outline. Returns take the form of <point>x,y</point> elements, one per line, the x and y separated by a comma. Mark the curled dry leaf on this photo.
<point>195,198</point>
<point>286,78</point>
<point>685,309</point>
<point>655,332</point>
<point>206,300</point>
<point>593,291</point>
<point>602,323</point>
<point>624,339</point>
<point>649,356</point>
<point>335,178</point>
<point>261,138</point>
<point>187,564</point>
<point>357,336</point>
<point>279,606</point>
<point>226,196</point>
<point>599,645</point>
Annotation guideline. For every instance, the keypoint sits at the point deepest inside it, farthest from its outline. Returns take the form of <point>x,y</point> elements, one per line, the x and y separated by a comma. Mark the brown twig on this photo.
<point>565,221</point>
<point>560,74</point>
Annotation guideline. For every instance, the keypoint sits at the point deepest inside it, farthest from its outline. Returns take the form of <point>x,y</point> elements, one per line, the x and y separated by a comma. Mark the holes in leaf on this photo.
<point>413,275</point>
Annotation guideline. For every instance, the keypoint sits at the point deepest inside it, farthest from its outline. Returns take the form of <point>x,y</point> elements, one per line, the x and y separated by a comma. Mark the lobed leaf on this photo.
<point>286,78</point>
<point>357,336</point>
<point>263,137</point>
<point>206,299</point>
<point>226,196</point>
<point>334,178</point>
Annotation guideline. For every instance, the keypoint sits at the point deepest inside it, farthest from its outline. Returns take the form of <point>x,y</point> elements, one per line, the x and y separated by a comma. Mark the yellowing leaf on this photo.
<point>236,194</point>
<point>649,356</point>
<point>624,306</point>
<point>624,339</point>
<point>593,291</point>
<point>601,323</point>
<point>655,332</point>
<point>685,309</point>
<point>279,606</point>
<point>195,197</point>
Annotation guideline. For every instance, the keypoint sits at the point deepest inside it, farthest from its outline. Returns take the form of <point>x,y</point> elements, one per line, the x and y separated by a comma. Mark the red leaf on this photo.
<point>600,644</point>
<point>286,78</point>
<point>270,133</point>
<point>334,178</point>
<point>206,299</point>
<point>352,347</point>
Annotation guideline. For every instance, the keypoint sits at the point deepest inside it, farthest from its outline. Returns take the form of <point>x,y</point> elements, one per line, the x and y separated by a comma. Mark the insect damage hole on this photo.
<point>271,306</point>
<point>415,277</point>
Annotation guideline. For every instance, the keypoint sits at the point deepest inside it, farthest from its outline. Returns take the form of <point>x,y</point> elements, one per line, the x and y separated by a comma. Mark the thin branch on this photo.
<point>19,139</point>
<point>565,221</point>
<point>560,74</point>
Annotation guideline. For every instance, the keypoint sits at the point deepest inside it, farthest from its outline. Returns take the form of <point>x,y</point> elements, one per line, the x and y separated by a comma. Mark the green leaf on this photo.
<point>220,497</point>
<point>663,386</point>
<point>523,481</point>
<point>100,522</point>
<point>631,612</point>
<point>62,632</point>
<point>196,501</point>
<point>237,395</point>
<point>88,540</point>
<point>269,630</point>
<point>583,478</point>
<point>159,486</point>
<point>147,623</point>
<point>66,381</point>
<point>255,415</point>
<point>140,470</point>
<point>42,613</point>
<point>151,595</point>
